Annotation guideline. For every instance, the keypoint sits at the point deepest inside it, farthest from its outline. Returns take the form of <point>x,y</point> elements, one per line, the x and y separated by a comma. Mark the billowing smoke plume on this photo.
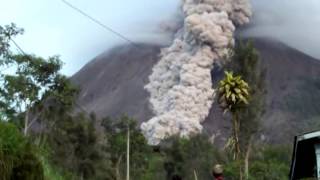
<point>180,85</point>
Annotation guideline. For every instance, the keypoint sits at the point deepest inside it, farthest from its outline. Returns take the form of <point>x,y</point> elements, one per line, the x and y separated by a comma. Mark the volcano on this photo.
<point>113,85</point>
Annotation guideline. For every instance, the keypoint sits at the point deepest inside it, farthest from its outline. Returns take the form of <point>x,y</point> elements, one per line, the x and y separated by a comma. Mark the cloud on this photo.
<point>294,22</point>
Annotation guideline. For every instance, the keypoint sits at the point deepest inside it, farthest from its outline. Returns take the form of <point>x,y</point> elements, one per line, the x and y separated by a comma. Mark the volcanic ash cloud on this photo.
<point>181,92</point>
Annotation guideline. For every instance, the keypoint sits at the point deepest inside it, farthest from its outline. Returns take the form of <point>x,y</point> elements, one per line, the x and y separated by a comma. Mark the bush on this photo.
<point>17,156</point>
<point>268,163</point>
<point>184,157</point>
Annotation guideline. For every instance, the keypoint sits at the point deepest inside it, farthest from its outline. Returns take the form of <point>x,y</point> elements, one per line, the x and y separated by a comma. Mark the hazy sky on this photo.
<point>53,28</point>
<point>295,22</point>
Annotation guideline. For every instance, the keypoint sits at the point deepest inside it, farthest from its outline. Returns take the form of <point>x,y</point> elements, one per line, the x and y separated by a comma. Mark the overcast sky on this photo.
<point>295,22</point>
<point>53,28</point>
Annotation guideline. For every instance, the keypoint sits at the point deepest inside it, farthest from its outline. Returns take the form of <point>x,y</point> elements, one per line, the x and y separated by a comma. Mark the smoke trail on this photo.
<point>180,85</point>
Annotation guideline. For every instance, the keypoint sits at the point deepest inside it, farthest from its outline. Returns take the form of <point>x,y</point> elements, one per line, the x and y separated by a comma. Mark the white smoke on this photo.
<point>181,85</point>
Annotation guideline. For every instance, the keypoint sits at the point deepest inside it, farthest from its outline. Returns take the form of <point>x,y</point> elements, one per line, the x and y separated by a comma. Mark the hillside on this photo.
<point>112,85</point>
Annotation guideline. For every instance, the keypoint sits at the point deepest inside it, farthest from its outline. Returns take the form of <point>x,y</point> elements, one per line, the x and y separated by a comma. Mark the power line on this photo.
<point>85,15</point>
<point>19,47</point>
<point>98,22</point>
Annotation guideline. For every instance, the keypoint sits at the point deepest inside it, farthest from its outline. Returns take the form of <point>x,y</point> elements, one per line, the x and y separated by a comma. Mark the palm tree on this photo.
<point>233,95</point>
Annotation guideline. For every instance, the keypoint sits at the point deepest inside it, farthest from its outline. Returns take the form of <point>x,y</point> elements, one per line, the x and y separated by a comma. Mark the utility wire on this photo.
<point>19,47</point>
<point>98,22</point>
<point>87,16</point>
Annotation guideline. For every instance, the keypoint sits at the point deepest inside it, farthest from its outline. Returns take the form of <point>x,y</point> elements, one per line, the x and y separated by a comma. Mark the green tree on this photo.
<point>116,134</point>
<point>33,79</point>
<point>234,95</point>
<point>184,157</point>
<point>18,158</point>
<point>246,62</point>
<point>28,85</point>
<point>76,147</point>
<point>268,162</point>
<point>7,32</point>
<point>23,90</point>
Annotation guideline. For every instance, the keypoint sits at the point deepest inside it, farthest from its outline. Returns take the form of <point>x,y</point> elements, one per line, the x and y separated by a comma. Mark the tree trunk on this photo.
<point>247,158</point>
<point>195,175</point>
<point>118,176</point>
<point>26,123</point>
<point>236,127</point>
<point>236,136</point>
<point>128,154</point>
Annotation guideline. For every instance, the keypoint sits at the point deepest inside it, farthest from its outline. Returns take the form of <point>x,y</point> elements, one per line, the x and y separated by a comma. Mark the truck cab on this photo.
<point>306,157</point>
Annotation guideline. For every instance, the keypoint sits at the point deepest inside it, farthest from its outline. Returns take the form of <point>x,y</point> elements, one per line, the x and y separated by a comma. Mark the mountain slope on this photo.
<point>112,85</point>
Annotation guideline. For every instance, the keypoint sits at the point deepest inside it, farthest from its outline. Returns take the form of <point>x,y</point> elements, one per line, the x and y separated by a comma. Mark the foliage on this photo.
<point>155,169</point>
<point>24,94</point>
<point>233,92</point>
<point>53,173</point>
<point>7,32</point>
<point>72,147</point>
<point>269,163</point>
<point>18,158</point>
<point>184,156</point>
<point>246,62</point>
<point>116,137</point>
<point>75,147</point>
<point>33,79</point>
<point>234,95</point>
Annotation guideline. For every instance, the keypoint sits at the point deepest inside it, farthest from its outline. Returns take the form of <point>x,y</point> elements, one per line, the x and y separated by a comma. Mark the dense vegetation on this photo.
<point>42,136</point>
<point>18,159</point>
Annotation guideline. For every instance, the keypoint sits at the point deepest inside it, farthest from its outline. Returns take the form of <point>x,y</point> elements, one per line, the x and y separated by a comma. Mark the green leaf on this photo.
<point>233,97</point>
<point>237,90</point>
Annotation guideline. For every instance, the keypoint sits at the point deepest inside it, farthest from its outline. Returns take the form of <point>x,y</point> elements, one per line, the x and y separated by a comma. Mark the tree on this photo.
<point>76,147</point>
<point>246,62</point>
<point>234,95</point>
<point>190,158</point>
<point>7,32</point>
<point>18,159</point>
<point>33,79</point>
<point>128,154</point>
<point>116,135</point>
<point>268,162</point>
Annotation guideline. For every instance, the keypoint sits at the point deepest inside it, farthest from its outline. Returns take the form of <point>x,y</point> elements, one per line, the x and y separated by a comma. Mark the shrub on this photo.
<point>268,163</point>
<point>17,156</point>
